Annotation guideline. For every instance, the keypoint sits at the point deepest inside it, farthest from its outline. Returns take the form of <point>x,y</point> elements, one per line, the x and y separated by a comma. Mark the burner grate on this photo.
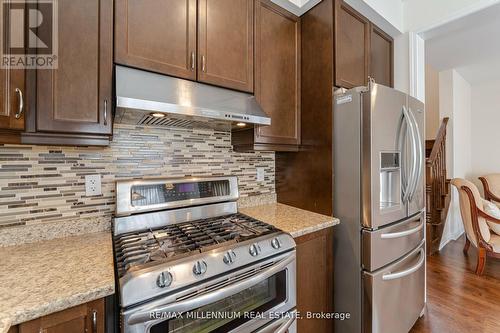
<point>136,249</point>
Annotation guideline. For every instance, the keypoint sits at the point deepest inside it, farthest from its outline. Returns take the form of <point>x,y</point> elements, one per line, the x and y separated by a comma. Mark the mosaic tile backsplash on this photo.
<point>47,183</point>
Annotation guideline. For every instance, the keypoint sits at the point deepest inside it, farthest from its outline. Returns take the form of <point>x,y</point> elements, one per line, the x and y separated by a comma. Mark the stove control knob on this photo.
<point>229,257</point>
<point>275,243</point>
<point>254,250</point>
<point>164,279</point>
<point>200,267</point>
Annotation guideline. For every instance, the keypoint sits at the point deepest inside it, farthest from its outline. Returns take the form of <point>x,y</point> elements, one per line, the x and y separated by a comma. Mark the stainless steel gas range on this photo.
<point>187,261</point>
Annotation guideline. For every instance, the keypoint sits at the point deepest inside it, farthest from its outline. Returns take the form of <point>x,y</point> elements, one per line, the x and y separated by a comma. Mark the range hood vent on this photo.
<point>182,103</point>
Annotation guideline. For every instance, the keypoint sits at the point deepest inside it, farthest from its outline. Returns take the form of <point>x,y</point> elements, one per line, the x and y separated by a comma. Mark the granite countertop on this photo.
<point>4,323</point>
<point>40,278</point>
<point>295,221</point>
<point>45,277</point>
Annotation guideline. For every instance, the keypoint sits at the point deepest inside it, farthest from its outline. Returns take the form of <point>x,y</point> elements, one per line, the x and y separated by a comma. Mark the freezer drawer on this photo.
<point>394,295</point>
<point>383,246</point>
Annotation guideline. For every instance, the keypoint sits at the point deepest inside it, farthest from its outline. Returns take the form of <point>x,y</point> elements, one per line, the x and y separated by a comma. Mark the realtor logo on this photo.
<point>28,34</point>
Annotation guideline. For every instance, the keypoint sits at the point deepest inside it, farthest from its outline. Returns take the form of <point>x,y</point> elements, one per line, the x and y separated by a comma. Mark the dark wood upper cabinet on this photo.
<point>77,96</point>
<point>225,43</point>
<point>277,80</point>
<point>277,73</point>
<point>12,103</point>
<point>352,35</point>
<point>12,92</point>
<point>85,318</point>
<point>157,35</point>
<point>362,50</point>
<point>381,57</point>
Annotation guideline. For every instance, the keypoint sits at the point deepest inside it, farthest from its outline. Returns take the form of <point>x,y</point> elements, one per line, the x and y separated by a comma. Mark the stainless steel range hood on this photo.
<point>142,95</point>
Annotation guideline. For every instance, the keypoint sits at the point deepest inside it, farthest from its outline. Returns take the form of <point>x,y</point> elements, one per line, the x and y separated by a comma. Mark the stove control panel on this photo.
<point>161,193</point>
<point>164,279</point>
<point>149,195</point>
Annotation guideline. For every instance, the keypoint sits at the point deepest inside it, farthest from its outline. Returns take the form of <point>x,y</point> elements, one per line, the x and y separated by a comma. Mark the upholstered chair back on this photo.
<point>465,210</point>
<point>493,181</point>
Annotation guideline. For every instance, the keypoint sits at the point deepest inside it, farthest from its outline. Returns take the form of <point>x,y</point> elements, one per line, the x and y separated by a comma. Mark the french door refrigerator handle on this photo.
<point>401,136</point>
<point>419,154</point>
<point>406,272</point>
<point>410,131</point>
<point>414,158</point>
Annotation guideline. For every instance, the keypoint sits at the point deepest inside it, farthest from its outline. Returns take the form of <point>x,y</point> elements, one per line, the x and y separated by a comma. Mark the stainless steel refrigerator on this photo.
<point>379,197</point>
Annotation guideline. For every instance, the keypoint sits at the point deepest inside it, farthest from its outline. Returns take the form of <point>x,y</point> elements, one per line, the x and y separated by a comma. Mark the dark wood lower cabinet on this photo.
<point>315,279</point>
<point>85,318</point>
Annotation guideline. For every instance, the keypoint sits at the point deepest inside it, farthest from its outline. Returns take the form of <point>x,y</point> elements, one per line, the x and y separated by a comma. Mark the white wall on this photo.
<point>455,103</point>
<point>391,10</point>
<point>485,129</point>
<point>432,120</point>
<point>402,63</point>
<point>387,14</point>
<point>424,14</point>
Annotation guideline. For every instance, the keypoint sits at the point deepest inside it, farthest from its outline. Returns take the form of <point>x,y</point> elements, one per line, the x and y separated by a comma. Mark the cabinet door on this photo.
<point>157,35</point>
<point>12,92</point>
<point>352,33</point>
<point>315,279</point>
<point>85,318</point>
<point>76,97</point>
<point>277,73</point>
<point>381,57</point>
<point>225,43</point>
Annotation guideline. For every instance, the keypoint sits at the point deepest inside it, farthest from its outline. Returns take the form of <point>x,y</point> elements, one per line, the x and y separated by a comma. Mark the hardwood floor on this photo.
<point>457,299</point>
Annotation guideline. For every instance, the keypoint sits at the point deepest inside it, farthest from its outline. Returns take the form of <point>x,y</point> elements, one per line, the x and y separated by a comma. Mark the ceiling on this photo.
<point>471,45</point>
<point>297,7</point>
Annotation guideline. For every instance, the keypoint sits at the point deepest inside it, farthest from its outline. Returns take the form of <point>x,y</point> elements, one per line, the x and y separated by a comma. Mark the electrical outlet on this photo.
<point>260,174</point>
<point>93,185</point>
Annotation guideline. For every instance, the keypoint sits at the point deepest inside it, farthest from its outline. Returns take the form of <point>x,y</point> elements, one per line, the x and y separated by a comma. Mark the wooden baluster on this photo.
<point>437,192</point>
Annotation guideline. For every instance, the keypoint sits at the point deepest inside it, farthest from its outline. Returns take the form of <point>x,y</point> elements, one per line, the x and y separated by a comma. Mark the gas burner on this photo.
<point>136,249</point>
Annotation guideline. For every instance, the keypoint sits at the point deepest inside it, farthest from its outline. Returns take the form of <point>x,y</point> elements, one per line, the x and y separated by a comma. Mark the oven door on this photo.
<point>242,301</point>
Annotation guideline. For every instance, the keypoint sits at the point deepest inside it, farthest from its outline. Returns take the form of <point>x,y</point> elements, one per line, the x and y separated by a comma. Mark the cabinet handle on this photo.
<point>193,59</point>
<point>94,321</point>
<point>21,103</point>
<point>203,64</point>
<point>105,112</point>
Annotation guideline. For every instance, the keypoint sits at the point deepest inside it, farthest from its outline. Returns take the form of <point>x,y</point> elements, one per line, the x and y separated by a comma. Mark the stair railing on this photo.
<point>437,188</point>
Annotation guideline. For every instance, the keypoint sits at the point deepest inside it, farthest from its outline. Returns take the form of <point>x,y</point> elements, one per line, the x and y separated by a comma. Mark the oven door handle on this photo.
<point>211,297</point>
<point>284,327</point>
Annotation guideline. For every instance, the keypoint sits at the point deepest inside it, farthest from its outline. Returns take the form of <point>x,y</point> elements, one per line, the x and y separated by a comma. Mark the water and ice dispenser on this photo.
<point>390,180</point>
